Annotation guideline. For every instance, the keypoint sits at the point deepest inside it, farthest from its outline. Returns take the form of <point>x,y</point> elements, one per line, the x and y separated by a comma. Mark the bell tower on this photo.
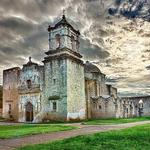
<point>63,35</point>
<point>64,93</point>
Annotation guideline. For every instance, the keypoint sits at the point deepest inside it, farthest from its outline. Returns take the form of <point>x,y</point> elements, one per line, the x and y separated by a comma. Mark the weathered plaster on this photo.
<point>76,104</point>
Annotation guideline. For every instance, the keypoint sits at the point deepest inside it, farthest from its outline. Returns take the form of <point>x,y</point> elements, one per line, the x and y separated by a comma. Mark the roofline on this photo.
<point>66,23</point>
<point>135,96</point>
<point>16,68</point>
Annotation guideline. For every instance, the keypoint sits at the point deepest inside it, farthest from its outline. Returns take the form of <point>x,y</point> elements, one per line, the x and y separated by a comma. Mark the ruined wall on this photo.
<point>89,92</point>
<point>113,91</point>
<point>105,105</point>
<point>101,98</point>
<point>76,104</point>
<point>146,106</point>
<point>93,88</point>
<point>103,108</point>
<point>130,106</point>
<point>55,89</point>
<point>108,102</point>
<point>10,93</point>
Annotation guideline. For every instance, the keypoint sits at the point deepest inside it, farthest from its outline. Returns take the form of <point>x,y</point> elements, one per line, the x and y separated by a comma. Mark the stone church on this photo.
<point>63,88</point>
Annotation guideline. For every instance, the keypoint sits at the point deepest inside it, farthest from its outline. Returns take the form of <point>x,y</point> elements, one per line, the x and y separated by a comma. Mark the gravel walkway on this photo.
<point>9,144</point>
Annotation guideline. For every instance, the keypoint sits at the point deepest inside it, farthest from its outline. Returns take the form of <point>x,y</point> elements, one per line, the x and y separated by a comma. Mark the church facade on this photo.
<point>63,88</point>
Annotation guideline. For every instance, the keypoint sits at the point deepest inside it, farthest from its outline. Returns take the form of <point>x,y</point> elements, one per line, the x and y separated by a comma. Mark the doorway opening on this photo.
<point>29,112</point>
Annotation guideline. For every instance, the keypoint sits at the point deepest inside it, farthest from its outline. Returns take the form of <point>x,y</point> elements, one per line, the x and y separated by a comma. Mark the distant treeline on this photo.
<point>1,95</point>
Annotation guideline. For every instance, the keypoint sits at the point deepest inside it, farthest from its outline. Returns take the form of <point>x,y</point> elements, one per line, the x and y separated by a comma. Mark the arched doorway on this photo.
<point>29,112</point>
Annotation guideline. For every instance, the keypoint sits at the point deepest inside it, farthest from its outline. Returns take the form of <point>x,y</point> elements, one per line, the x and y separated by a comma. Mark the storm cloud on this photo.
<point>116,44</point>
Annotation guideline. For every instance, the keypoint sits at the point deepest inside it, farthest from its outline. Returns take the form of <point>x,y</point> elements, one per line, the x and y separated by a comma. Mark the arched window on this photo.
<point>100,107</point>
<point>29,84</point>
<point>57,36</point>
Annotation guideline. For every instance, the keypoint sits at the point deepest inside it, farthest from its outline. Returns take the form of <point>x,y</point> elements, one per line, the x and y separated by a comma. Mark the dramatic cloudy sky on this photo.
<point>115,35</point>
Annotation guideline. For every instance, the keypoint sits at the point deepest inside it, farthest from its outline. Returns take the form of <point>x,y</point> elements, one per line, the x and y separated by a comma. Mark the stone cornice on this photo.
<point>62,56</point>
<point>25,90</point>
<point>58,50</point>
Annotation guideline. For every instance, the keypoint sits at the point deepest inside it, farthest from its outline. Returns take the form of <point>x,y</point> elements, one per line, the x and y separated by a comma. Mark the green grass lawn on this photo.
<point>10,131</point>
<point>115,120</point>
<point>135,138</point>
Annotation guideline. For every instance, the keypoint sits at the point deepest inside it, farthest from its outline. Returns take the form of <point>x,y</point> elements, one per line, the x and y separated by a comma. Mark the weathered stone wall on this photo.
<point>34,73</point>
<point>103,108</point>
<point>30,93</point>
<point>55,89</point>
<point>101,98</point>
<point>10,93</point>
<point>130,106</point>
<point>93,88</point>
<point>113,92</point>
<point>35,99</point>
<point>62,38</point>
<point>146,106</point>
<point>1,112</point>
<point>76,104</point>
<point>89,92</point>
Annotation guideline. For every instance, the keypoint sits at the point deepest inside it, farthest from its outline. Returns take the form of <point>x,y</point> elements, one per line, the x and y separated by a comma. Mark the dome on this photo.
<point>89,67</point>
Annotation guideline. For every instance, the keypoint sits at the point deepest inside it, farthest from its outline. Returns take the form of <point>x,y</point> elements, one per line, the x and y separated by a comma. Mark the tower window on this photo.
<point>54,106</point>
<point>29,84</point>
<point>57,36</point>
<point>54,81</point>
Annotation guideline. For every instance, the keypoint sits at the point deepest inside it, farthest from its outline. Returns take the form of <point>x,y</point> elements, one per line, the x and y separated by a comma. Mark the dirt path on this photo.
<point>9,144</point>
